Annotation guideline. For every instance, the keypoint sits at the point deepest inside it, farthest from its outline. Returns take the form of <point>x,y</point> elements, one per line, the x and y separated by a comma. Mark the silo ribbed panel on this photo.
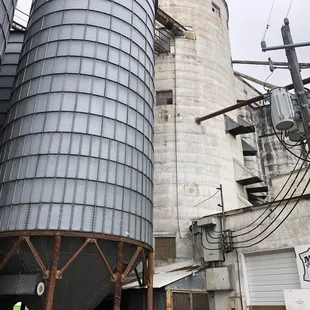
<point>6,16</point>
<point>8,71</point>
<point>77,150</point>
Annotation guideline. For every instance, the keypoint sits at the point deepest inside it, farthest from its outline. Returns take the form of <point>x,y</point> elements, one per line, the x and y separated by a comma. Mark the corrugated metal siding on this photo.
<point>77,147</point>
<point>6,16</point>
<point>270,274</point>
<point>8,71</point>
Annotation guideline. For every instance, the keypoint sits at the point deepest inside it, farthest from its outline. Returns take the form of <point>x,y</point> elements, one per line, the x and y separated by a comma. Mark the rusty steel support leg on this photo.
<point>118,276</point>
<point>53,275</point>
<point>150,273</point>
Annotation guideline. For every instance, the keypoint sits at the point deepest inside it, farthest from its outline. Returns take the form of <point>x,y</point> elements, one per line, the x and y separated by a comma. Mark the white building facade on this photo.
<point>194,79</point>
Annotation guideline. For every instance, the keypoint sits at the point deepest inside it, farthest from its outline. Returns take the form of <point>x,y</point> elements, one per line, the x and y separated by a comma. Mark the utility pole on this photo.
<point>297,79</point>
<point>223,223</point>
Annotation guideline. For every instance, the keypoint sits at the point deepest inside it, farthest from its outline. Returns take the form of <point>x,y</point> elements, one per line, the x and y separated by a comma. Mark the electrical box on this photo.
<point>219,279</point>
<point>282,110</point>
<point>207,221</point>
<point>211,243</point>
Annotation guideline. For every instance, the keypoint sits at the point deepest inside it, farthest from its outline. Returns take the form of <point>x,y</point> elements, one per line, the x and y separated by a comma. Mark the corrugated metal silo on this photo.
<point>76,151</point>
<point>6,16</point>
<point>8,71</point>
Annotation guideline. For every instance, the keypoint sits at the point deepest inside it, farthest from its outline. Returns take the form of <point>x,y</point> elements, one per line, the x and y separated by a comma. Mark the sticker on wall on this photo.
<point>303,264</point>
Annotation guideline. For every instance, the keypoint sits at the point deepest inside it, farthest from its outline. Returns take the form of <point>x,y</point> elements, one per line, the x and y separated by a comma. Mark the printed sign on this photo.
<point>303,264</point>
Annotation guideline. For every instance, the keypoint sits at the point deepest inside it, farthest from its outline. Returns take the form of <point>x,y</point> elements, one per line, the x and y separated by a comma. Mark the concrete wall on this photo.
<point>190,160</point>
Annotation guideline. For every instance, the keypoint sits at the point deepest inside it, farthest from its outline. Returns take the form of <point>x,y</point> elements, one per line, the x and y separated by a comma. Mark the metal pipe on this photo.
<point>150,272</point>
<point>281,47</point>
<point>53,274</point>
<point>198,120</point>
<point>118,276</point>
<point>250,78</point>
<point>169,23</point>
<point>267,63</point>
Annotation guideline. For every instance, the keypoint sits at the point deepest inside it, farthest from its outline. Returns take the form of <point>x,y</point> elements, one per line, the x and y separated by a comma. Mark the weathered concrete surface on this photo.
<point>190,160</point>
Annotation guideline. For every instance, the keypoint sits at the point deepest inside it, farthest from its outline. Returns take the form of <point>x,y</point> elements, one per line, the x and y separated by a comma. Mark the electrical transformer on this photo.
<point>282,110</point>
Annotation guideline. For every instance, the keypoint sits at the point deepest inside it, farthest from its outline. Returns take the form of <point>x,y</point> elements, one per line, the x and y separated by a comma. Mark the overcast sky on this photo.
<point>248,20</point>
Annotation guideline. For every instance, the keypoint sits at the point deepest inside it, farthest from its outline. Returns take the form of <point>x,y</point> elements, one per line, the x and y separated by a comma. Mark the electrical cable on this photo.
<point>283,144</point>
<point>270,207</point>
<point>268,23</point>
<point>293,208</point>
<point>215,238</point>
<point>278,204</point>
<point>201,241</point>
<point>302,178</point>
<point>266,89</point>
<point>271,203</point>
<point>298,143</point>
<point>289,9</point>
<point>206,199</point>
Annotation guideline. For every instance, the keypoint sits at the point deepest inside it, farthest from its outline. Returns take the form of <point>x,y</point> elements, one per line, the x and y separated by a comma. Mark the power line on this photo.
<point>206,199</point>
<point>268,23</point>
<point>305,173</point>
<point>293,208</point>
<point>278,204</point>
<point>269,205</point>
<point>289,9</point>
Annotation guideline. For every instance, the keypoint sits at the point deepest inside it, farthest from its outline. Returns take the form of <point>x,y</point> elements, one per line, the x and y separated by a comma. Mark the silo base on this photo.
<point>79,269</point>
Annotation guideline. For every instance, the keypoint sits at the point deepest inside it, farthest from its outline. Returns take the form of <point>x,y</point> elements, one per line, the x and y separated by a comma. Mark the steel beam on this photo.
<point>36,255</point>
<point>303,65</point>
<point>241,104</point>
<point>286,46</point>
<point>53,274</point>
<point>150,272</point>
<point>118,276</point>
<point>75,255</point>
<point>9,255</point>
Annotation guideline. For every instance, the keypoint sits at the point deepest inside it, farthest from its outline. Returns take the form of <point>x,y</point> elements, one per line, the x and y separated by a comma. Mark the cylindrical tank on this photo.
<point>8,71</point>
<point>282,110</point>
<point>76,151</point>
<point>6,17</point>
<point>191,161</point>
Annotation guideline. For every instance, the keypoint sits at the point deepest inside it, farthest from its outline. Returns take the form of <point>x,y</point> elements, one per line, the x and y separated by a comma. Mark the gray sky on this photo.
<point>248,20</point>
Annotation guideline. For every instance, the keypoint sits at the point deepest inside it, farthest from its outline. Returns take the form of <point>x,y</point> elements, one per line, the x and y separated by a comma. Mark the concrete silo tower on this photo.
<point>192,160</point>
